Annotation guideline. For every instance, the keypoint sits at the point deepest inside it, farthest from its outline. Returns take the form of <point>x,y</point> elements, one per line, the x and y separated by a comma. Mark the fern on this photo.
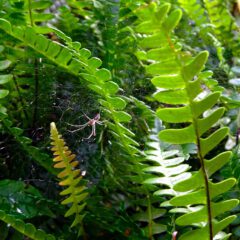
<point>67,21</point>
<point>37,155</point>
<point>27,229</point>
<point>195,12</point>
<point>234,164</point>
<point>224,25</point>
<point>70,178</point>
<point>41,158</point>
<point>169,168</point>
<point>198,14</point>
<point>77,61</point>
<point>35,11</point>
<point>28,12</point>
<point>168,163</point>
<point>4,79</point>
<point>176,78</point>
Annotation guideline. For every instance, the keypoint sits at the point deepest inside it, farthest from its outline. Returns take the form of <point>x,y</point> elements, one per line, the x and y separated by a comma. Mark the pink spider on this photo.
<point>92,122</point>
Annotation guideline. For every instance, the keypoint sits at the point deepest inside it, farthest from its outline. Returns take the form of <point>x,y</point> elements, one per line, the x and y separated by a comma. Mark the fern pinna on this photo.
<point>26,229</point>
<point>4,79</point>
<point>70,178</point>
<point>178,79</point>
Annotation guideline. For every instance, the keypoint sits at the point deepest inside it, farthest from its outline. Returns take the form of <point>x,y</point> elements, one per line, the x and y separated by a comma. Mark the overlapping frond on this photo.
<point>166,167</point>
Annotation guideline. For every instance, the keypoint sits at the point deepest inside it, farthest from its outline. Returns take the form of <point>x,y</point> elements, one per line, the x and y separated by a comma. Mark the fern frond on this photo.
<point>26,229</point>
<point>43,159</point>
<point>35,11</point>
<point>176,76</point>
<point>168,164</point>
<point>225,27</point>
<point>198,14</point>
<point>70,178</point>
<point>4,79</point>
<point>78,62</point>
<point>166,167</point>
<point>27,12</point>
<point>235,164</point>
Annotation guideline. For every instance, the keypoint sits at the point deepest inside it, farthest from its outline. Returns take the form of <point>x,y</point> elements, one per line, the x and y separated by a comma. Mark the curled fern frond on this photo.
<point>70,178</point>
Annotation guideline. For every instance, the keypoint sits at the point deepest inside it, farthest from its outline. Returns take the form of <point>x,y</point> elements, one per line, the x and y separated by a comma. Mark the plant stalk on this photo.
<point>20,98</point>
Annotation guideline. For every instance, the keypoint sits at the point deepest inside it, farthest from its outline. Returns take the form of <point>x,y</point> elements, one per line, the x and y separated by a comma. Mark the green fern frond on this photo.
<point>4,79</point>
<point>225,27</point>
<point>43,159</point>
<point>198,14</point>
<point>180,89</point>
<point>167,164</point>
<point>166,168</point>
<point>26,229</point>
<point>27,12</point>
<point>70,178</point>
<point>78,62</point>
<point>235,164</point>
<point>195,11</point>
<point>35,11</point>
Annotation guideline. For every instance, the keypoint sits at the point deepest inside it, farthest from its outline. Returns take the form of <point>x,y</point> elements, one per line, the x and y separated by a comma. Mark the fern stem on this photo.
<point>201,160</point>
<point>205,176</point>
<point>36,78</point>
<point>150,233</point>
<point>205,181</point>
<point>200,157</point>
<point>36,93</point>
<point>20,98</point>
<point>30,12</point>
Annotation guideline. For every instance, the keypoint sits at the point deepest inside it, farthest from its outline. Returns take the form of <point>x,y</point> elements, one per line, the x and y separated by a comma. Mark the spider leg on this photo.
<point>101,122</point>
<point>89,136</point>
<point>73,131</point>
<point>93,133</point>
<point>79,126</point>
<point>87,117</point>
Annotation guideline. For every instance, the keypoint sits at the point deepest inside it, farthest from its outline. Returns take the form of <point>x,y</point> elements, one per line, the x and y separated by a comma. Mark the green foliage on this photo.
<point>176,77</point>
<point>37,155</point>
<point>25,228</point>
<point>4,79</point>
<point>22,201</point>
<point>223,22</point>
<point>166,168</point>
<point>26,11</point>
<point>154,166</point>
<point>78,61</point>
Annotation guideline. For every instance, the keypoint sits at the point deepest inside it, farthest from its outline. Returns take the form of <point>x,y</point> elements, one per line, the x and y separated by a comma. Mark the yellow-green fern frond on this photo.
<point>70,177</point>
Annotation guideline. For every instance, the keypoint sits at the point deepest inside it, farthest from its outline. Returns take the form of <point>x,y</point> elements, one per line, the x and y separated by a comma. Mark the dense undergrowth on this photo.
<point>119,119</point>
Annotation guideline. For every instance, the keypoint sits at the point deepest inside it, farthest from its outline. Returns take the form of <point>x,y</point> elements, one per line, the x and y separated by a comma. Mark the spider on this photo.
<point>91,122</point>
